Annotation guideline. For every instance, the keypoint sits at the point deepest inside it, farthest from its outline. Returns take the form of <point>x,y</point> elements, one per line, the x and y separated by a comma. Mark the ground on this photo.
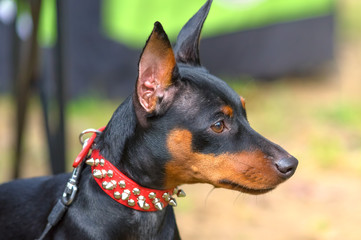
<point>317,119</point>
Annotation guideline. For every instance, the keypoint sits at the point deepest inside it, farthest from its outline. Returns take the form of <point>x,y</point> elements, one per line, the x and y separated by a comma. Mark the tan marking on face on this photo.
<point>243,101</point>
<point>227,110</point>
<point>252,170</point>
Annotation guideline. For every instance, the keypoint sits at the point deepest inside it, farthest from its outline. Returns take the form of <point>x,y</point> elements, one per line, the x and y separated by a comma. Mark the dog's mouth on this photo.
<point>242,188</point>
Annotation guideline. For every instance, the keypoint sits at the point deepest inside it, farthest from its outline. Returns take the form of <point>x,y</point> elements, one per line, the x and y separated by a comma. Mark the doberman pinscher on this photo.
<point>181,125</point>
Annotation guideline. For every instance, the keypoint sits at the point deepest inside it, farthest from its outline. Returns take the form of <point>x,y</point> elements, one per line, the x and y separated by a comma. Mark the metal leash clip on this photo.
<point>71,186</point>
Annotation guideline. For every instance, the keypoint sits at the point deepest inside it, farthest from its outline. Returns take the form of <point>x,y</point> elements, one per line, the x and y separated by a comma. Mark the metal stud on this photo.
<point>96,162</point>
<point>146,206</point>
<point>159,206</point>
<point>97,173</point>
<point>173,202</point>
<point>121,183</point>
<point>131,202</point>
<point>166,197</point>
<point>117,195</point>
<point>101,162</point>
<point>104,184</point>
<point>125,194</point>
<point>110,173</point>
<point>90,162</point>
<point>109,186</point>
<point>141,201</point>
<point>136,191</point>
<point>104,173</point>
<point>181,193</point>
<point>152,195</point>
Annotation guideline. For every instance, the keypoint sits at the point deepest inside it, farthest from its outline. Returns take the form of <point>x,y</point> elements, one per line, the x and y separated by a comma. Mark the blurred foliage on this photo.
<point>349,19</point>
<point>344,114</point>
<point>126,20</point>
<point>47,25</point>
<point>341,139</point>
<point>326,151</point>
<point>99,109</point>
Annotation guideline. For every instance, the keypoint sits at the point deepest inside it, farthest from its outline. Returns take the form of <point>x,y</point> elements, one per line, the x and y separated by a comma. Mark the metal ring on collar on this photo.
<point>86,131</point>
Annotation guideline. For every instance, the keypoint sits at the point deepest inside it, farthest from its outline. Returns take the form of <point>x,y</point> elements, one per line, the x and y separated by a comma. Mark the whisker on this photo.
<point>209,193</point>
<point>257,168</point>
<point>238,195</point>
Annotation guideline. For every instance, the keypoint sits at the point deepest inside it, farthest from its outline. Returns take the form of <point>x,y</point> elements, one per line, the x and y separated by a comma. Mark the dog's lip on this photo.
<point>243,188</point>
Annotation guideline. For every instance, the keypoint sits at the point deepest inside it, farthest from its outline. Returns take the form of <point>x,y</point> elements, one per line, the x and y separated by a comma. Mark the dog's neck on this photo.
<point>115,144</point>
<point>121,145</point>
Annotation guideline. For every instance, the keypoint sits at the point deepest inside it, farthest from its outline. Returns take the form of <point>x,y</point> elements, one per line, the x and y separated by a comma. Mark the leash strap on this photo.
<point>64,202</point>
<point>71,188</point>
<point>54,217</point>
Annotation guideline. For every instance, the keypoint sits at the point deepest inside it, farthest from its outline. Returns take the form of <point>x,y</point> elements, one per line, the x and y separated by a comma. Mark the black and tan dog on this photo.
<point>181,125</point>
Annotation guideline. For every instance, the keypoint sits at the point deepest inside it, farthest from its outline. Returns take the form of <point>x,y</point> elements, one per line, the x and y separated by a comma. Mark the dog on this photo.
<point>181,125</point>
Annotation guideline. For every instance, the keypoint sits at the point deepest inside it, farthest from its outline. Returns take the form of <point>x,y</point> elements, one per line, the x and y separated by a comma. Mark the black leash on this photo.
<point>64,202</point>
<point>71,188</point>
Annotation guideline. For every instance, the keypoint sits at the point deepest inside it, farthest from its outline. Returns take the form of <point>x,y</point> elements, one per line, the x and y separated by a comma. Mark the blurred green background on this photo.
<point>225,17</point>
<point>123,21</point>
<point>317,119</point>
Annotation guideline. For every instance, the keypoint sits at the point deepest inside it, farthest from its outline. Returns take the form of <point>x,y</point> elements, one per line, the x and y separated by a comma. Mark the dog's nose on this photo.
<point>286,166</point>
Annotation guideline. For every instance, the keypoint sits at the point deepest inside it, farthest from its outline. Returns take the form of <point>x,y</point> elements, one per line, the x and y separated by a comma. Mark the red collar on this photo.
<point>120,187</point>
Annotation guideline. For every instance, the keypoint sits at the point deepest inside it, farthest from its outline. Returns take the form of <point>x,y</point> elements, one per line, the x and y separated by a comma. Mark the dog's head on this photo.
<point>196,124</point>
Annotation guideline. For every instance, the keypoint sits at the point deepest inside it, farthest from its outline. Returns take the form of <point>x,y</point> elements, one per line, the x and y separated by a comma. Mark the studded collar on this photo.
<point>127,192</point>
<point>120,187</point>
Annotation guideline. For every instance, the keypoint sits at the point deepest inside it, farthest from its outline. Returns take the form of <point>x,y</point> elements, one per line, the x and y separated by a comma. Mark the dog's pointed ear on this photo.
<point>187,46</point>
<point>156,67</point>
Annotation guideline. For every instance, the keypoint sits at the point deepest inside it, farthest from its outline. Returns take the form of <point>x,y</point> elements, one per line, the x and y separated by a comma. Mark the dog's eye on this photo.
<point>218,127</point>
